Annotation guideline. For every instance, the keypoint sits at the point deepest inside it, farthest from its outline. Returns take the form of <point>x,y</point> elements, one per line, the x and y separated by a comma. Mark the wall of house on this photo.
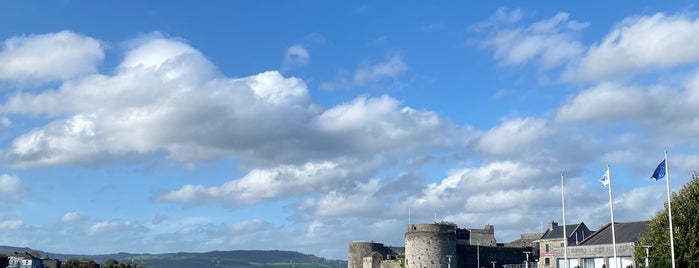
<point>622,249</point>
<point>553,245</point>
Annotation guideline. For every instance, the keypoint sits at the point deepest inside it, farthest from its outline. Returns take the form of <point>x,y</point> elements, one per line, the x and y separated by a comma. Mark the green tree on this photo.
<point>4,260</point>
<point>72,263</point>
<point>111,263</point>
<point>685,212</point>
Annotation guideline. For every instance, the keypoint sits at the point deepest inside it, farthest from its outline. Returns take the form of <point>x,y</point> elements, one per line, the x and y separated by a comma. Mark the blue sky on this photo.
<point>167,126</point>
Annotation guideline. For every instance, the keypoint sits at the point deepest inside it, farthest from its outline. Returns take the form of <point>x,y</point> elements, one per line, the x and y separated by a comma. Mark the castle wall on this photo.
<point>391,264</point>
<point>359,250</point>
<point>470,256</point>
<point>484,237</point>
<point>428,245</point>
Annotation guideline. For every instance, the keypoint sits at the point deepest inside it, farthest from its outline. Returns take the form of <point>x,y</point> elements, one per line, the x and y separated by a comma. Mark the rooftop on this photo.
<point>626,232</point>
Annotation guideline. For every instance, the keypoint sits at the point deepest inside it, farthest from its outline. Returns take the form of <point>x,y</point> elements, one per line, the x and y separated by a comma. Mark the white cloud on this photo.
<point>361,200</point>
<point>295,56</point>
<point>10,187</point>
<point>150,104</point>
<point>116,226</point>
<point>55,56</point>
<point>511,135</point>
<point>506,187</point>
<point>11,224</point>
<point>640,43</point>
<point>368,73</point>
<point>264,184</point>
<point>72,217</point>
<point>5,122</point>
<point>613,102</point>
<point>548,43</point>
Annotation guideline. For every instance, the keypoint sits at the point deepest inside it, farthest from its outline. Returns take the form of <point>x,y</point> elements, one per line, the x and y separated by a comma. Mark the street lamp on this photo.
<point>449,261</point>
<point>526,264</point>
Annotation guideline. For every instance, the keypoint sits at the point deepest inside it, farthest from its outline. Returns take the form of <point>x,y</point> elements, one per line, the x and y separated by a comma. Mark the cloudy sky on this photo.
<point>166,126</point>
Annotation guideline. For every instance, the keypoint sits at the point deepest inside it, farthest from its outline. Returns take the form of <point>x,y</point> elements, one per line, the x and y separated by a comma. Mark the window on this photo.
<point>547,261</point>
<point>547,248</point>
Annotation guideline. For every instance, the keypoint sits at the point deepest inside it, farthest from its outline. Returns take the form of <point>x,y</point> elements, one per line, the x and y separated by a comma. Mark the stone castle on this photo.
<point>440,245</point>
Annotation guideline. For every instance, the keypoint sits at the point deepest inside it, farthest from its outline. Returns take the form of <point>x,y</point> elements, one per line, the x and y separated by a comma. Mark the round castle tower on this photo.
<point>359,250</point>
<point>428,245</point>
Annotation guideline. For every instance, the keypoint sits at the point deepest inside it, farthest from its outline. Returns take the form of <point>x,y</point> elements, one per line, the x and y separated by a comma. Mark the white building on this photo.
<point>24,260</point>
<point>597,252</point>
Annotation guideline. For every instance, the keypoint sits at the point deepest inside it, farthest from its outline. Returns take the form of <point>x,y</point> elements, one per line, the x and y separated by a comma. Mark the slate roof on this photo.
<point>557,231</point>
<point>626,232</point>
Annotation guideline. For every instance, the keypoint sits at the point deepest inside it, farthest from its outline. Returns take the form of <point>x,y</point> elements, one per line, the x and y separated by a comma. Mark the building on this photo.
<point>431,245</point>
<point>597,250</point>
<point>439,245</point>
<point>24,260</point>
<point>50,263</point>
<point>372,255</point>
<point>551,243</point>
<point>482,237</point>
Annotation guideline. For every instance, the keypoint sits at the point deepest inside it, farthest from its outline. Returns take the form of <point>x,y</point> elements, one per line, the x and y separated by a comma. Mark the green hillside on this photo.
<point>225,259</point>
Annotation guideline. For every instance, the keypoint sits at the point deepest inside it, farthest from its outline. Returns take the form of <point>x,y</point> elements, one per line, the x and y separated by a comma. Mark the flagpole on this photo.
<point>565,234</point>
<point>611,212</point>
<point>669,211</point>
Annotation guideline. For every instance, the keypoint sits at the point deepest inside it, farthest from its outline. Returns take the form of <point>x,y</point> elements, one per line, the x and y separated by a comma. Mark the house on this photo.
<point>24,260</point>
<point>551,243</point>
<point>597,250</point>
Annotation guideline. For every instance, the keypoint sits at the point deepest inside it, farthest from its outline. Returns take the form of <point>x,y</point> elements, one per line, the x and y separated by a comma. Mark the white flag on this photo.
<point>605,178</point>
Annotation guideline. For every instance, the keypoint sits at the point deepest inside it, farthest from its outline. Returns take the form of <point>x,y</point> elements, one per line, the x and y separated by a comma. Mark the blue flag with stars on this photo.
<point>659,172</point>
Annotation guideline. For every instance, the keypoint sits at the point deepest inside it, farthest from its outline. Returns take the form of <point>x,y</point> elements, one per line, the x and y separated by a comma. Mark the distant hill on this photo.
<point>226,259</point>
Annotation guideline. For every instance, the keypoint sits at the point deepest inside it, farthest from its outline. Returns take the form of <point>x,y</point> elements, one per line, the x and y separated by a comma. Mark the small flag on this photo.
<point>659,172</point>
<point>605,178</point>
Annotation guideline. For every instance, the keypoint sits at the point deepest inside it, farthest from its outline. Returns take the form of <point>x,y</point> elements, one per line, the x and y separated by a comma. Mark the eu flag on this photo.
<point>659,172</point>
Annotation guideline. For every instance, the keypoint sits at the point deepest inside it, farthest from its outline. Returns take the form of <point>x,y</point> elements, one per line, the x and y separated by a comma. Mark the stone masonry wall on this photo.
<point>359,250</point>
<point>428,245</point>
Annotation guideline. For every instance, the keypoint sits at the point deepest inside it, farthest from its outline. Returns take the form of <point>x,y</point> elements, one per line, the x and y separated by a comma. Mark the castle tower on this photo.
<point>429,245</point>
<point>359,250</point>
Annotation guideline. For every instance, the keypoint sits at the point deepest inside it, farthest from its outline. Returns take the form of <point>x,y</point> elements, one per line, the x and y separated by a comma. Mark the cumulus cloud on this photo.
<point>72,217</point>
<point>547,43</point>
<point>54,56</point>
<point>166,97</point>
<point>637,44</point>
<point>613,102</point>
<point>461,184</point>
<point>512,134</point>
<point>653,108</point>
<point>295,56</point>
<point>368,73</point>
<point>640,43</point>
<point>265,184</point>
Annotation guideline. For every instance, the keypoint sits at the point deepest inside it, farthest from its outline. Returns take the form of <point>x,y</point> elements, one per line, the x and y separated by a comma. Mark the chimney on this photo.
<point>552,224</point>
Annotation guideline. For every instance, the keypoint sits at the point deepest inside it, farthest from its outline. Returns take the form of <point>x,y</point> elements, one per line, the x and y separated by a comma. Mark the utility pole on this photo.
<point>478,254</point>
